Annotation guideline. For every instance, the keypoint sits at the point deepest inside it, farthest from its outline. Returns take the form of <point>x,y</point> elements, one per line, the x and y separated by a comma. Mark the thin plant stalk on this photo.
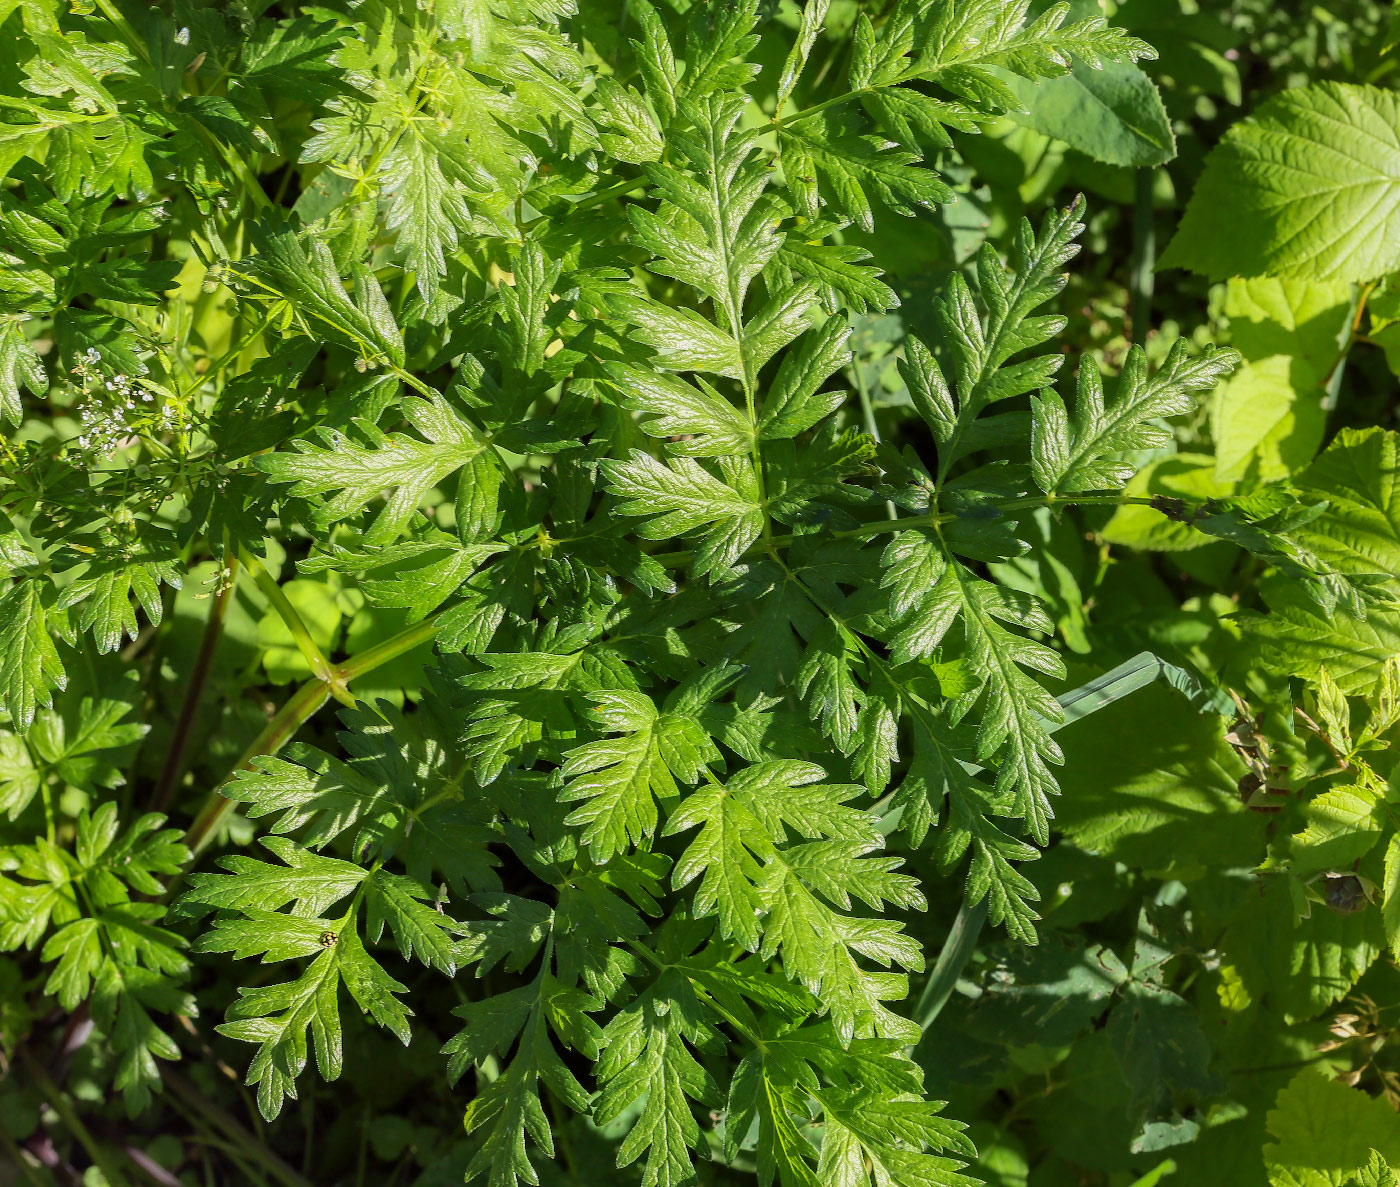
<point>1142,280</point>
<point>316,660</point>
<point>229,1127</point>
<point>59,1102</point>
<point>173,767</point>
<point>21,1164</point>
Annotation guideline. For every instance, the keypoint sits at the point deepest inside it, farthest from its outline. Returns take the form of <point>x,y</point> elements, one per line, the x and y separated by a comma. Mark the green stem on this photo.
<point>50,821</point>
<point>59,1102</point>
<point>278,731</point>
<point>867,414</point>
<point>453,787</point>
<point>295,713</point>
<point>409,378</point>
<point>118,20</point>
<point>381,653</point>
<point>362,1158</point>
<point>1115,500</point>
<point>321,667</point>
<point>227,357</point>
<point>867,408</point>
<point>247,179</point>
<point>753,1039</point>
<point>808,112</point>
<point>1331,385</point>
<point>1142,280</point>
<point>147,1167</point>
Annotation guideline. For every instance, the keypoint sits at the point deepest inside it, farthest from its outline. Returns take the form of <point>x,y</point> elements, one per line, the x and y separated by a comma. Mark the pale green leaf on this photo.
<point>1113,114</point>
<point>1305,187</point>
<point>1324,1132</point>
<point>1343,823</point>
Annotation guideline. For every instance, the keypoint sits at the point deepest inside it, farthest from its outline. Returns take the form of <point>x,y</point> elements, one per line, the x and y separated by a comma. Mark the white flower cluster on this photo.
<point>107,419</point>
<point>104,428</point>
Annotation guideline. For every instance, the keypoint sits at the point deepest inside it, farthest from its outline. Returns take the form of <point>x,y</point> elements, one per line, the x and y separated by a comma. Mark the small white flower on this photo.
<point>183,36</point>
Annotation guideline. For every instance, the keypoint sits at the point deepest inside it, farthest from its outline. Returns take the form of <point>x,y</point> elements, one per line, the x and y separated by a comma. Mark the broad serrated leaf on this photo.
<point>1301,188</point>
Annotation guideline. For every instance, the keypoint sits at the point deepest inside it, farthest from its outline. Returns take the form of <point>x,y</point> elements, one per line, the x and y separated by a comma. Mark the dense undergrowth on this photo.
<point>701,593</point>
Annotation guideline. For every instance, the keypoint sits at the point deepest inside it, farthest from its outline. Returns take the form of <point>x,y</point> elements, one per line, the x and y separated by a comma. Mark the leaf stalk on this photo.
<point>295,713</point>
